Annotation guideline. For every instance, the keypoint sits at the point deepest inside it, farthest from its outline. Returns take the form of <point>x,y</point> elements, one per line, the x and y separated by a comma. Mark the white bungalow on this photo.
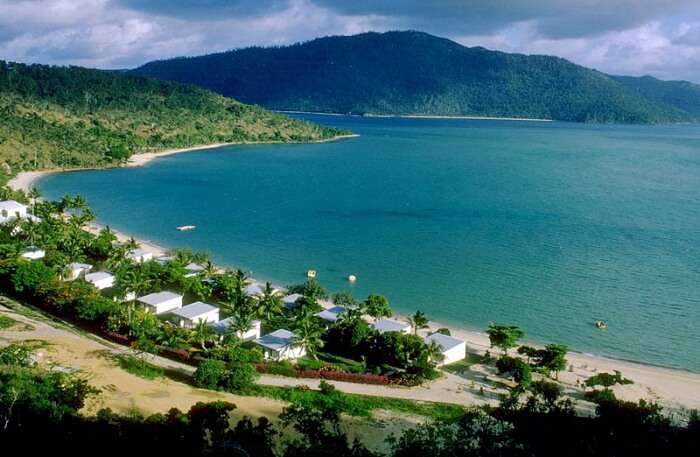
<point>252,333</point>
<point>192,269</point>
<point>195,313</point>
<point>33,253</point>
<point>139,255</point>
<point>452,349</point>
<point>331,314</point>
<point>101,279</point>
<point>164,259</point>
<point>76,269</point>
<point>390,325</point>
<point>279,345</point>
<point>254,289</point>
<point>290,301</point>
<point>161,302</point>
<point>10,209</point>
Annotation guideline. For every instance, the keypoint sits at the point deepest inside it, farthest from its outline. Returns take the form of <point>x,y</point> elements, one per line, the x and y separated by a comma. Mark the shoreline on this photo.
<point>674,388</point>
<point>24,180</point>
<point>423,116</point>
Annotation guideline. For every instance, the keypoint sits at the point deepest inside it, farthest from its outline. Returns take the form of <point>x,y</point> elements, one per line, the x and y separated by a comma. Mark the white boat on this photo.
<point>184,228</point>
<point>311,274</point>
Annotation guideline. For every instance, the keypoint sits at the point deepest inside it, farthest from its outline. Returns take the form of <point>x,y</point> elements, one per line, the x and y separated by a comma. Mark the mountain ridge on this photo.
<point>414,73</point>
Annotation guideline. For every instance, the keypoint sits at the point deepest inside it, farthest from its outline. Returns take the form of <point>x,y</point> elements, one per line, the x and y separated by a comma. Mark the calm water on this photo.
<point>544,225</point>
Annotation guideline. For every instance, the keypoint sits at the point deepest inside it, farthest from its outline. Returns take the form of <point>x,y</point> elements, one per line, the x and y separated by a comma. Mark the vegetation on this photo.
<point>607,380</point>
<point>139,367</point>
<point>416,73</point>
<point>76,117</point>
<point>504,336</point>
<point>6,322</point>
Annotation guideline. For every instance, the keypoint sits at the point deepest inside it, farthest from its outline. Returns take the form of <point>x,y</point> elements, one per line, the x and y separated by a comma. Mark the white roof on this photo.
<point>223,325</point>
<point>79,266</point>
<point>194,267</point>
<point>277,340</point>
<point>138,252</point>
<point>158,297</point>
<point>254,289</point>
<point>98,276</point>
<point>164,259</point>
<point>446,342</point>
<point>291,300</point>
<point>195,310</point>
<point>11,205</point>
<point>331,314</point>
<point>390,325</point>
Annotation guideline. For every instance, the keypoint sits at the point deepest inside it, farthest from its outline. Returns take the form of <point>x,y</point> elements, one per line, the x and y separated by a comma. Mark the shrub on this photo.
<point>139,367</point>
<point>239,376</point>
<point>210,374</point>
<point>282,368</point>
<point>600,396</point>
<point>607,380</point>
<point>15,354</point>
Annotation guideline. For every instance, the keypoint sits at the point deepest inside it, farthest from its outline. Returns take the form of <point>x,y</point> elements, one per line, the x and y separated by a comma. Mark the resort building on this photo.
<point>390,325</point>
<point>453,349</point>
<point>290,301</point>
<point>222,327</point>
<point>139,255</point>
<point>279,345</point>
<point>192,269</point>
<point>191,315</point>
<point>254,289</point>
<point>161,302</point>
<point>101,279</point>
<point>75,270</point>
<point>331,314</point>
<point>10,210</point>
<point>33,253</point>
<point>163,259</point>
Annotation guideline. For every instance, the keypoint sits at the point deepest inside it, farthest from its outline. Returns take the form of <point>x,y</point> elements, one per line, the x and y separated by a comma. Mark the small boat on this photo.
<point>601,324</point>
<point>184,228</point>
<point>311,274</point>
<point>352,279</point>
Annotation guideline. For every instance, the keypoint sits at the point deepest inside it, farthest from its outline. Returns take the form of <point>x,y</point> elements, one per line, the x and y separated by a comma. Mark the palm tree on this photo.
<point>270,302</point>
<point>210,269</point>
<point>34,195</point>
<point>418,321</point>
<point>203,334</point>
<point>132,280</point>
<point>307,334</point>
<point>434,352</point>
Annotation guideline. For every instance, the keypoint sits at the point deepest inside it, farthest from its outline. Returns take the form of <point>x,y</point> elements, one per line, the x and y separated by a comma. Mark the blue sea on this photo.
<point>549,226</point>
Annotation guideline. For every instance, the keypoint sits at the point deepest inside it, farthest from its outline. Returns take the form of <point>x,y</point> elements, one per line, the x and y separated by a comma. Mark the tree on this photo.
<point>311,288</point>
<point>270,303</point>
<point>240,376</point>
<point>30,276</point>
<point>418,321</point>
<point>516,369</point>
<point>504,336</point>
<point>376,306</point>
<point>210,374</point>
<point>203,334</point>
<point>307,334</point>
<point>552,358</point>
<point>344,299</point>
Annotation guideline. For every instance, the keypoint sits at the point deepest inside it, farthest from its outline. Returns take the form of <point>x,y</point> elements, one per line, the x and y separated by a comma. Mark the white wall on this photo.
<point>455,354</point>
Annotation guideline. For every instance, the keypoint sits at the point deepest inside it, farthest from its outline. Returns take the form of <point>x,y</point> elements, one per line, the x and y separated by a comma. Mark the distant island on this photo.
<point>414,73</point>
<point>72,117</point>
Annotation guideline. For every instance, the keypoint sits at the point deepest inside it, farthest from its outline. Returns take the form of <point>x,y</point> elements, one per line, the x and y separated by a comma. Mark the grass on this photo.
<point>139,367</point>
<point>357,405</point>
<point>6,322</point>
<point>464,364</point>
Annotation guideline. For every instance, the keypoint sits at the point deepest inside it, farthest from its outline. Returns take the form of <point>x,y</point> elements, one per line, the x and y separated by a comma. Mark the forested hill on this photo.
<point>683,95</point>
<point>74,117</point>
<point>414,73</point>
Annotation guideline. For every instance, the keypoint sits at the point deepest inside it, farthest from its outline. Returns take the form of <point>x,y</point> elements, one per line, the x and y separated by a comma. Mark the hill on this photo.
<point>76,117</point>
<point>414,73</point>
<point>682,95</point>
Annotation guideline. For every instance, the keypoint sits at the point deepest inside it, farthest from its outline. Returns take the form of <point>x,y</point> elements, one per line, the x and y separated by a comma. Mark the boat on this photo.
<point>311,274</point>
<point>352,279</point>
<point>184,228</point>
<point>601,324</point>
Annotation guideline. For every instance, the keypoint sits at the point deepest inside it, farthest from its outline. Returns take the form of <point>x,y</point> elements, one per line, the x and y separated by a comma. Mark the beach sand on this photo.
<point>676,390</point>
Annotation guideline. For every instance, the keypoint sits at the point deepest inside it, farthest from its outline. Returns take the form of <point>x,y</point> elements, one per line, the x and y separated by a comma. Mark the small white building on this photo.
<point>195,313</point>
<point>254,289</point>
<point>192,269</point>
<point>10,209</point>
<point>161,302</point>
<point>290,301</point>
<point>33,253</point>
<point>453,349</point>
<point>223,326</point>
<point>101,279</point>
<point>76,269</point>
<point>390,325</point>
<point>164,259</point>
<point>139,255</point>
<point>331,314</point>
<point>279,345</point>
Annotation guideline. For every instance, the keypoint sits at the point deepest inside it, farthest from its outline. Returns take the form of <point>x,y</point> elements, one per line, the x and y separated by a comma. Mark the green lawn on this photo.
<point>6,322</point>
<point>464,364</point>
<point>139,367</point>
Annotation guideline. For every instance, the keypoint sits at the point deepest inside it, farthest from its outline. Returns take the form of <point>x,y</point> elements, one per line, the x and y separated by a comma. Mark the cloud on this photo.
<point>658,37</point>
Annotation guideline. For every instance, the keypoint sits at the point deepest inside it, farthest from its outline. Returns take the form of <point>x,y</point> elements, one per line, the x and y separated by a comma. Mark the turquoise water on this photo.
<point>544,225</point>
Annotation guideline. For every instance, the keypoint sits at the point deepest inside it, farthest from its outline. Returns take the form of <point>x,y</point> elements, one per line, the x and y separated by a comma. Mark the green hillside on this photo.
<point>683,95</point>
<point>77,117</point>
<point>414,73</point>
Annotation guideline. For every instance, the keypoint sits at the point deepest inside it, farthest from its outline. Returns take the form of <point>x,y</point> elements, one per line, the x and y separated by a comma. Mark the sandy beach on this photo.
<point>674,389</point>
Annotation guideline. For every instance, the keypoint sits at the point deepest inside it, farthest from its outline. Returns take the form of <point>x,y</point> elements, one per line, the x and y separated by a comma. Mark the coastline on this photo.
<point>675,389</point>
<point>423,116</point>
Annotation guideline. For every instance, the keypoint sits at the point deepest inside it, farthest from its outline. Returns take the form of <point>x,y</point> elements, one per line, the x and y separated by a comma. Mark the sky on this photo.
<point>636,37</point>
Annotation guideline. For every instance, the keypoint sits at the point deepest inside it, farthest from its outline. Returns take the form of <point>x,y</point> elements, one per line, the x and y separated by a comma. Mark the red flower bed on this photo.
<point>117,337</point>
<point>177,354</point>
<point>345,376</point>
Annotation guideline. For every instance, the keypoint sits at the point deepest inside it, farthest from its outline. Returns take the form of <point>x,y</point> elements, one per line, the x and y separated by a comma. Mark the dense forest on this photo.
<point>416,73</point>
<point>683,95</point>
<point>76,117</point>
